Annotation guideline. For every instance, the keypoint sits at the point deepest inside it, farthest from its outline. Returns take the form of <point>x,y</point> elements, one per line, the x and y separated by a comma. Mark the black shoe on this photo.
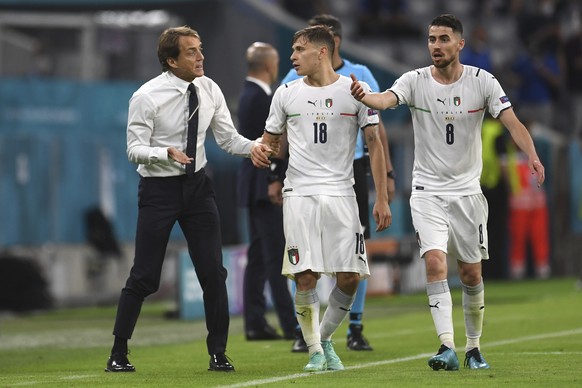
<point>220,363</point>
<point>266,333</point>
<point>118,362</point>
<point>355,340</point>
<point>299,345</point>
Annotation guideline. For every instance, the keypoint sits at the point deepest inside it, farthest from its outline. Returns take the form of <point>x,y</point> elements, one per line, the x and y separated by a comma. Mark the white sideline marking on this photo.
<point>402,359</point>
<point>357,366</point>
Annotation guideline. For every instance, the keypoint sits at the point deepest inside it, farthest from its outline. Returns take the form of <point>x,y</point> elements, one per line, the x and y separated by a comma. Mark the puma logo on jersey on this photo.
<point>361,258</point>
<point>312,102</point>
<point>443,101</point>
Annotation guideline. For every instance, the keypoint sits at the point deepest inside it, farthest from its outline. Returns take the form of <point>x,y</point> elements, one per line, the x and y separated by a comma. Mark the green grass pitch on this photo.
<point>532,337</point>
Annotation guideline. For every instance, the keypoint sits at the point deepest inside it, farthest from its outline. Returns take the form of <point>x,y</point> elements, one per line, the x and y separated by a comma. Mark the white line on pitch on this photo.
<point>403,359</point>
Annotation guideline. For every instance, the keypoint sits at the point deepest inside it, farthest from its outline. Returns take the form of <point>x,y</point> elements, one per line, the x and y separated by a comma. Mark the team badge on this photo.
<point>328,102</point>
<point>457,101</point>
<point>504,99</point>
<point>293,254</point>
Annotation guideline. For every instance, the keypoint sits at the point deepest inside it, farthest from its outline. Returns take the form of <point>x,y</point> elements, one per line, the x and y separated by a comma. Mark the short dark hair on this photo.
<point>327,20</point>
<point>318,34</point>
<point>169,43</point>
<point>448,20</point>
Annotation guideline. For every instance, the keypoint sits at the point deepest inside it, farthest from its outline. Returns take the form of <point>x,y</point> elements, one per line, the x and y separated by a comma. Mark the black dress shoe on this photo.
<point>266,333</point>
<point>118,362</point>
<point>356,340</point>
<point>220,363</point>
<point>299,345</point>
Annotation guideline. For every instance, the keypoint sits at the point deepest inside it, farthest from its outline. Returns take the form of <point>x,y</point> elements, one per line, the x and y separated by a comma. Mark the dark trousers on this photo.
<point>361,189</point>
<point>189,201</point>
<point>497,267</point>
<point>264,262</point>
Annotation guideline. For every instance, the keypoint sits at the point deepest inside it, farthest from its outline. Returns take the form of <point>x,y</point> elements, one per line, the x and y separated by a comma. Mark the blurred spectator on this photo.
<point>573,60</point>
<point>539,71</point>
<point>528,216</point>
<point>534,19</point>
<point>385,18</point>
<point>476,51</point>
<point>494,187</point>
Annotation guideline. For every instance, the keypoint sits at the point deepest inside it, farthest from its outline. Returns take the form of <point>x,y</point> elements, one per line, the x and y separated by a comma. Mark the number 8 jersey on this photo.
<point>447,121</point>
<point>321,125</point>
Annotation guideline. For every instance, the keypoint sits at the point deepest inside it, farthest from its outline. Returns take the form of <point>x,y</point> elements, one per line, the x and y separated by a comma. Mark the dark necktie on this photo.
<point>192,129</point>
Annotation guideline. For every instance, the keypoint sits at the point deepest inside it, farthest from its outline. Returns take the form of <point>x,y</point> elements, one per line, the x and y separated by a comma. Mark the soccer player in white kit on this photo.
<point>320,214</point>
<point>447,102</point>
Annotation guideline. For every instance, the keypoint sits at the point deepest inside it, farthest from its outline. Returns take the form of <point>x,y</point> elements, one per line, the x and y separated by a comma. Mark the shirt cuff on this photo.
<point>159,154</point>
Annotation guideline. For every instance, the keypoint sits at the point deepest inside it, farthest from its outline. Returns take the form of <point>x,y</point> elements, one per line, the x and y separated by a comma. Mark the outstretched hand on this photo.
<point>356,89</point>
<point>179,156</point>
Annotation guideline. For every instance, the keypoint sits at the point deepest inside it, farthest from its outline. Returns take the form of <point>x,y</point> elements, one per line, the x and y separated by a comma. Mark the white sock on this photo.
<point>441,309</point>
<point>338,307</point>
<point>307,308</point>
<point>474,309</point>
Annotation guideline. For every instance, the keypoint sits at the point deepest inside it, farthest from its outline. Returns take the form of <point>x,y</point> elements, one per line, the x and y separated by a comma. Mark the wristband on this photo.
<point>277,170</point>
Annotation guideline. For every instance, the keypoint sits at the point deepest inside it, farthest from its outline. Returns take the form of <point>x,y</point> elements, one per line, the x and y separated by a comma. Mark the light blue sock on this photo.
<point>358,306</point>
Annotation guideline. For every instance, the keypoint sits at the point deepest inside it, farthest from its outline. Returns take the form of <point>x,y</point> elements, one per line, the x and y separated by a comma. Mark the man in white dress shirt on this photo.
<point>167,124</point>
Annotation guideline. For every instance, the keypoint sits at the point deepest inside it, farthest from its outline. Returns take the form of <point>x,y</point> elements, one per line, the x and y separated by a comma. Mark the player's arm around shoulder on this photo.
<point>381,212</point>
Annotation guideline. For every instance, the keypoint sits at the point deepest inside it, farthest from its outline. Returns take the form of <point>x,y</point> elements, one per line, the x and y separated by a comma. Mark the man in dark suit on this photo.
<point>267,241</point>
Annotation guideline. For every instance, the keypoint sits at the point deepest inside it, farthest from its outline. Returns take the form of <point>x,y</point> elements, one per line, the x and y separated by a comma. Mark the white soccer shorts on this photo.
<point>323,234</point>
<point>456,225</point>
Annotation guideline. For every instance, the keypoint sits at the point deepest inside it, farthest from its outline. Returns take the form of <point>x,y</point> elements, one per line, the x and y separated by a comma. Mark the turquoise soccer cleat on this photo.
<point>475,360</point>
<point>446,359</point>
<point>317,363</point>
<point>333,361</point>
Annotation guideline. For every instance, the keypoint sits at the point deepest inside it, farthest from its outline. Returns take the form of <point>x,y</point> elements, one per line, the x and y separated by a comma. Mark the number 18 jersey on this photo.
<point>322,124</point>
<point>447,121</point>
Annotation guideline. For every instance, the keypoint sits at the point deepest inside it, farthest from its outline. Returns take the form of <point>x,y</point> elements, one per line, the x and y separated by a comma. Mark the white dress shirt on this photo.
<point>158,119</point>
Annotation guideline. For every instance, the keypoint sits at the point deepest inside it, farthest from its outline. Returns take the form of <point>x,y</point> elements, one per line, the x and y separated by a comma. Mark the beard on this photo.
<point>442,63</point>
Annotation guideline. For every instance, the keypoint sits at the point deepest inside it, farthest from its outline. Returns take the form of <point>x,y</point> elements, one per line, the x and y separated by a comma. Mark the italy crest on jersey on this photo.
<point>293,254</point>
<point>457,101</point>
<point>328,102</point>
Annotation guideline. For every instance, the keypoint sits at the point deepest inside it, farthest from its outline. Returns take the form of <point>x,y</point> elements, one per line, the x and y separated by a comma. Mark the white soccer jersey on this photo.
<point>320,124</point>
<point>447,122</point>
